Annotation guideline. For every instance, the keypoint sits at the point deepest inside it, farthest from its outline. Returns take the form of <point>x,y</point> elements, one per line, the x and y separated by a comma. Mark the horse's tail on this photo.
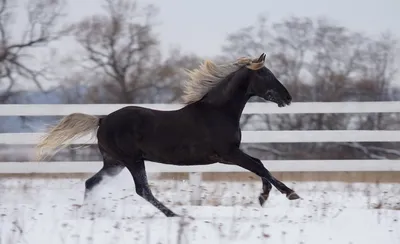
<point>70,127</point>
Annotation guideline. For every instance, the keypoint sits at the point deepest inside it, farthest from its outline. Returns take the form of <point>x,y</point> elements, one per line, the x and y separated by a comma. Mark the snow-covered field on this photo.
<point>45,211</point>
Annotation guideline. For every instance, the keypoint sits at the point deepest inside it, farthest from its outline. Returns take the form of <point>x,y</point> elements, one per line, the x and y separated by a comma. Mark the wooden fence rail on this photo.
<point>247,137</point>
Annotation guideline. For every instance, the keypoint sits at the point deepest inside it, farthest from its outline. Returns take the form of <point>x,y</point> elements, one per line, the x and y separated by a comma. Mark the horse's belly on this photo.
<point>179,155</point>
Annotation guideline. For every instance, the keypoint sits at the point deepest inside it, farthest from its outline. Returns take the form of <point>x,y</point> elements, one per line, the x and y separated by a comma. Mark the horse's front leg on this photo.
<point>266,188</point>
<point>255,165</point>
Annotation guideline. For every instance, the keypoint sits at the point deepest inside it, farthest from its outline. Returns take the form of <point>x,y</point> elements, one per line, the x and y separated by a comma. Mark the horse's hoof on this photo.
<point>263,198</point>
<point>292,196</point>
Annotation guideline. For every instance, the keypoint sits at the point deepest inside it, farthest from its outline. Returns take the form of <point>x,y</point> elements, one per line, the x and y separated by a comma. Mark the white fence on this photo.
<point>248,136</point>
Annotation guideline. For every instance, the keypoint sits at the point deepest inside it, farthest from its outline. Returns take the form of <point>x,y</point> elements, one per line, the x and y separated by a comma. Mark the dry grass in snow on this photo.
<point>45,211</point>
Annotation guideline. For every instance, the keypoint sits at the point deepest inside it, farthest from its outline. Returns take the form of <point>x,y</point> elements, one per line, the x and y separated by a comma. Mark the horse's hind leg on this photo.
<point>111,168</point>
<point>138,171</point>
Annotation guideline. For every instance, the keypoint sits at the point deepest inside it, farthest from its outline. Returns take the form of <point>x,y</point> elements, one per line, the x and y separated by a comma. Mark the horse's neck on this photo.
<point>235,105</point>
<point>231,98</point>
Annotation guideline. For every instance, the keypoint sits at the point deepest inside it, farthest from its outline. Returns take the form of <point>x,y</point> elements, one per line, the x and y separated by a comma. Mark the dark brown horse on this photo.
<point>205,131</point>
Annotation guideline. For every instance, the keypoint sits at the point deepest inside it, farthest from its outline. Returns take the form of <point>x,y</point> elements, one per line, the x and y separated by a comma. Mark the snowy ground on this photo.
<point>44,211</point>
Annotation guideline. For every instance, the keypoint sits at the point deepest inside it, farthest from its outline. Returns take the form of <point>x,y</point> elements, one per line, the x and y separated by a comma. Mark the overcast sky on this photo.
<point>201,26</point>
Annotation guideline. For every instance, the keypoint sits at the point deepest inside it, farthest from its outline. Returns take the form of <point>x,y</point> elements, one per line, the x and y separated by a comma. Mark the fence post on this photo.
<point>195,183</point>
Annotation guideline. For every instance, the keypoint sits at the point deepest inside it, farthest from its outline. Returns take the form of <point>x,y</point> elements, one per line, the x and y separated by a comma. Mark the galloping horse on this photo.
<point>205,131</point>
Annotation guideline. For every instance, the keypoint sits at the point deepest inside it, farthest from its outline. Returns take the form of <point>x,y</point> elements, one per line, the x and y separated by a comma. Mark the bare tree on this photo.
<point>168,77</point>
<point>123,58</point>
<point>120,48</point>
<point>17,62</point>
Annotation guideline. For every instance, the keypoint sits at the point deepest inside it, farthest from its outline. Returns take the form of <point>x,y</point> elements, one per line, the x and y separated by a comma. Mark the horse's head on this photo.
<point>221,83</point>
<point>264,84</point>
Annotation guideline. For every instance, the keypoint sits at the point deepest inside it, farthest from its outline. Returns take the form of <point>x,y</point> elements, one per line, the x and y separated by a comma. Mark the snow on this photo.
<point>46,211</point>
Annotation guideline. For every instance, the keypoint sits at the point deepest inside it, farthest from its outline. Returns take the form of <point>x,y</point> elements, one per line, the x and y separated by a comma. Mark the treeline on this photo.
<point>118,60</point>
<point>322,62</point>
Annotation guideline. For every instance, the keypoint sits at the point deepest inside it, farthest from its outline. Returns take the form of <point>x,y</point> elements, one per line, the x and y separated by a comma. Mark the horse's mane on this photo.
<point>208,75</point>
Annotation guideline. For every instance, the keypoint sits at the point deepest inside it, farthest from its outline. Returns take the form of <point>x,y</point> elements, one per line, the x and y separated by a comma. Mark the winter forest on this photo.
<point>117,59</point>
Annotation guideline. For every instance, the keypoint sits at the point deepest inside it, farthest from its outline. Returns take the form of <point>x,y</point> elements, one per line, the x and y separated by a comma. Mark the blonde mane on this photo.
<point>208,75</point>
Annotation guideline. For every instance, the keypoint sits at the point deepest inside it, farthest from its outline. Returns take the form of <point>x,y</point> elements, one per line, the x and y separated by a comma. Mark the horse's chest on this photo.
<point>237,135</point>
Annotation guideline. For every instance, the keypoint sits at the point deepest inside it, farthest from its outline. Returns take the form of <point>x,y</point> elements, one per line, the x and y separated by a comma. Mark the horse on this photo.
<point>204,131</point>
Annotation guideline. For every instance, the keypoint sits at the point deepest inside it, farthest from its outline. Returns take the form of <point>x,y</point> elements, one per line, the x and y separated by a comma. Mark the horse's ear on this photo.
<point>257,63</point>
<point>261,59</point>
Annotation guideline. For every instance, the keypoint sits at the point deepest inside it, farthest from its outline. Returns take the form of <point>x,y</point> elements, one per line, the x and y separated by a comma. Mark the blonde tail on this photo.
<point>71,127</point>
